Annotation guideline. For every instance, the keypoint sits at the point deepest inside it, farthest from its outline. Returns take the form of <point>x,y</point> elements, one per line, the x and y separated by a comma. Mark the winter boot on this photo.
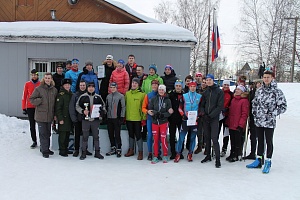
<point>149,156</point>
<point>251,156</point>
<point>255,164</point>
<point>119,153</point>
<point>129,153</point>
<point>154,160</point>
<point>83,155</point>
<point>140,156</point>
<point>165,159</point>
<point>98,155</point>
<point>190,157</point>
<point>63,153</point>
<point>218,164</point>
<point>34,145</point>
<point>267,167</point>
<point>206,159</point>
<point>198,150</point>
<point>173,156</point>
<point>45,155</point>
<point>177,158</point>
<point>50,152</point>
<point>88,153</point>
<point>113,151</point>
<point>76,153</point>
<point>231,155</point>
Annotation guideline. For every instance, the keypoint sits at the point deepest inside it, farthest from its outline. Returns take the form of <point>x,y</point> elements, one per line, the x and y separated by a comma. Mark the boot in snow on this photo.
<point>88,153</point>
<point>267,167</point>
<point>255,164</point>
<point>177,158</point>
<point>34,145</point>
<point>83,155</point>
<point>149,156</point>
<point>218,164</point>
<point>154,160</point>
<point>113,151</point>
<point>76,153</point>
<point>119,153</point>
<point>206,159</point>
<point>129,153</point>
<point>190,157</point>
<point>98,155</point>
<point>165,159</point>
<point>140,156</point>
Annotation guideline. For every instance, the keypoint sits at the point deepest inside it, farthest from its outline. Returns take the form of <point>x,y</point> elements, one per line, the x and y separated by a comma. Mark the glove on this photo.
<point>240,129</point>
<point>184,117</point>
<point>25,112</point>
<point>121,120</point>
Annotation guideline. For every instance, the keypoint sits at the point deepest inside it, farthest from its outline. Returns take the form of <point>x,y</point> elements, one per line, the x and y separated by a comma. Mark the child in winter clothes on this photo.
<point>120,77</point>
<point>237,119</point>
<point>115,106</point>
<point>269,102</point>
<point>159,110</point>
<point>146,87</point>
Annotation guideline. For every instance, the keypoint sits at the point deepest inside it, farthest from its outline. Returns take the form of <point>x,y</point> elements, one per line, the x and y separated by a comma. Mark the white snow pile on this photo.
<point>94,30</point>
<point>25,174</point>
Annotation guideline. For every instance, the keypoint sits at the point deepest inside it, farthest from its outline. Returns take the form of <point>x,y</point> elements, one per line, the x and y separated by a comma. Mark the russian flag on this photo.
<point>215,38</point>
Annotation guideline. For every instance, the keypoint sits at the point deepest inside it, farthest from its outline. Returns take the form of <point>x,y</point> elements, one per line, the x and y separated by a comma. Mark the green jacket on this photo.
<point>146,87</point>
<point>62,110</point>
<point>134,100</point>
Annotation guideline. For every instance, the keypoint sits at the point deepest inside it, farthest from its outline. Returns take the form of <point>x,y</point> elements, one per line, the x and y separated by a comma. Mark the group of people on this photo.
<point>150,105</point>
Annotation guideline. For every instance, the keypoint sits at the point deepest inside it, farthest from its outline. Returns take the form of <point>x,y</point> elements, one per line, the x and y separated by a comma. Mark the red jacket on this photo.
<point>238,112</point>
<point>228,95</point>
<point>28,90</point>
<point>121,77</point>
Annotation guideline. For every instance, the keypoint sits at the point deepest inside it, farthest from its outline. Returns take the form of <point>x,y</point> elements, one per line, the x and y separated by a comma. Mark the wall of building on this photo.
<point>83,11</point>
<point>15,59</point>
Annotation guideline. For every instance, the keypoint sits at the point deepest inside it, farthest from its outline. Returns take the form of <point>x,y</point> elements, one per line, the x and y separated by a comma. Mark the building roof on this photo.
<point>132,12</point>
<point>56,30</point>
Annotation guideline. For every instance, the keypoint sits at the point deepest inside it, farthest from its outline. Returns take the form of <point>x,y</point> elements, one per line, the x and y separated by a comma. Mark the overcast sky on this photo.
<point>228,18</point>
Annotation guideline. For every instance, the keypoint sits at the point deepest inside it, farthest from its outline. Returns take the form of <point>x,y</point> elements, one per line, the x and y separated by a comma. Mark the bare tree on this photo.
<point>192,15</point>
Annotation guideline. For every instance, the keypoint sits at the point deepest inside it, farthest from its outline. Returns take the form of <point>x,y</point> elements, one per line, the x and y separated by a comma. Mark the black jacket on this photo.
<point>212,101</point>
<point>57,80</point>
<point>75,116</point>
<point>169,80</point>
<point>164,110</point>
<point>176,100</point>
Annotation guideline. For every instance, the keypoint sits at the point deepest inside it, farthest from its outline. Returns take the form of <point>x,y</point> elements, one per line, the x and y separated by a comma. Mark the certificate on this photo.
<point>192,118</point>
<point>101,71</point>
<point>96,111</point>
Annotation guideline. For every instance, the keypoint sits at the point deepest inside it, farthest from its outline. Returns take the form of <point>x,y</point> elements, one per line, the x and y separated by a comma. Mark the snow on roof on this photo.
<point>56,29</point>
<point>132,12</point>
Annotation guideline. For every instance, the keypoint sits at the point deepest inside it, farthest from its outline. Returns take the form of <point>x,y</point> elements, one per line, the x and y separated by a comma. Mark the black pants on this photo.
<point>263,133</point>
<point>200,133</point>
<point>78,132</point>
<point>253,136</point>
<point>144,132</point>
<point>236,142</point>
<point>30,112</point>
<point>63,141</point>
<point>114,132</point>
<point>225,139</point>
<point>211,128</point>
<point>45,134</point>
<point>173,126</point>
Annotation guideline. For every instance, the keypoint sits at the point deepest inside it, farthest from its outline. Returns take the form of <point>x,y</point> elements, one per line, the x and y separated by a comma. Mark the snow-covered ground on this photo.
<point>25,174</point>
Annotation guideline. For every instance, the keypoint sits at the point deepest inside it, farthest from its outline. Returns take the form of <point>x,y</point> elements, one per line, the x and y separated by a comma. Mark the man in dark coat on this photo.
<point>109,65</point>
<point>169,78</point>
<point>63,117</point>
<point>58,76</point>
<point>131,67</point>
<point>211,107</point>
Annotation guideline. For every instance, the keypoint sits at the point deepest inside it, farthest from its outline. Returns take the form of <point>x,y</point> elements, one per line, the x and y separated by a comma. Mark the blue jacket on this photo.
<point>90,76</point>
<point>191,101</point>
<point>73,76</point>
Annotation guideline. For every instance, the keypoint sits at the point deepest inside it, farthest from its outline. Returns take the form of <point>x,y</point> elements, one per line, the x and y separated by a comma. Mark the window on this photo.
<point>43,66</point>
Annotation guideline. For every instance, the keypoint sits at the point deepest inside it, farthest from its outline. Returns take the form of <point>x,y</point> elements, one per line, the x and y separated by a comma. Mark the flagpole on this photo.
<point>208,38</point>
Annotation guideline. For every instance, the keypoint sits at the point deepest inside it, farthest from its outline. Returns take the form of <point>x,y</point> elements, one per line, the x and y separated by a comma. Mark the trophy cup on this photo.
<point>86,108</point>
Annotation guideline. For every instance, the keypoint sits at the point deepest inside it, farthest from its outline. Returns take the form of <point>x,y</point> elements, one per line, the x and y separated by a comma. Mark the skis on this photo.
<point>246,138</point>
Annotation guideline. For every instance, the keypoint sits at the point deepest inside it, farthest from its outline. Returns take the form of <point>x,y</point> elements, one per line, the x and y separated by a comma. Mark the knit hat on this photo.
<point>169,66</point>
<point>210,76</point>
<point>136,80</point>
<point>91,84</point>
<point>75,61</point>
<point>121,62</point>
<point>178,82</point>
<point>153,66</point>
<point>241,87</point>
<point>66,81</point>
<point>155,81</point>
<point>162,87</point>
<point>193,83</point>
<point>34,71</point>
<point>113,84</point>
<point>198,74</point>
<point>88,62</point>
<point>109,57</point>
<point>227,82</point>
